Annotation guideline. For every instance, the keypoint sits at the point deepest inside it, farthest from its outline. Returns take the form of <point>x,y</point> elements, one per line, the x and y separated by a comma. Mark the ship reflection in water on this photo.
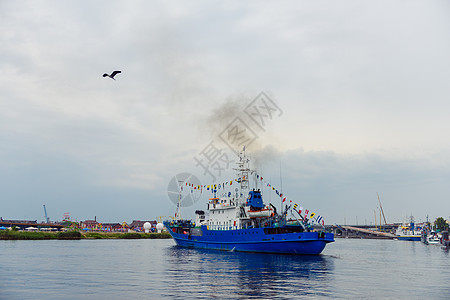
<point>252,275</point>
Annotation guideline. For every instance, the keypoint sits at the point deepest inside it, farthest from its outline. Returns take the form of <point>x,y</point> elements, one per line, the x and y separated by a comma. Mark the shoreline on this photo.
<point>77,235</point>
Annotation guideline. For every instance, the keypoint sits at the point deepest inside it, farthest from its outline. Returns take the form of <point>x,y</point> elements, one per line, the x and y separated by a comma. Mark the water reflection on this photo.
<point>155,269</point>
<point>211,274</point>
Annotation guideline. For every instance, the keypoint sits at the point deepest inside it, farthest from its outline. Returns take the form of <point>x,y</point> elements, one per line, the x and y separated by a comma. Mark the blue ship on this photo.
<point>245,224</point>
<point>409,232</point>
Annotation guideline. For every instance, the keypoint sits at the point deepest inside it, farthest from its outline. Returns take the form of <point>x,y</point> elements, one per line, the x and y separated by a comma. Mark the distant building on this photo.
<point>23,224</point>
<point>112,226</point>
<point>138,225</point>
<point>89,224</point>
<point>19,221</point>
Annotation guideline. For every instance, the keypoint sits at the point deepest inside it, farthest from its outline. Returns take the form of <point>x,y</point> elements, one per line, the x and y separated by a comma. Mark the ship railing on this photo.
<point>222,227</point>
<point>220,206</point>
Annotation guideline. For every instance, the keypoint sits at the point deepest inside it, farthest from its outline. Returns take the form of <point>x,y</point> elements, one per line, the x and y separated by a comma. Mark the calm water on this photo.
<point>156,269</point>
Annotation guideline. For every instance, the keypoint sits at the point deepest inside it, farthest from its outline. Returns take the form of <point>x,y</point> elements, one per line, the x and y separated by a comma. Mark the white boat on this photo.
<point>433,239</point>
<point>430,237</point>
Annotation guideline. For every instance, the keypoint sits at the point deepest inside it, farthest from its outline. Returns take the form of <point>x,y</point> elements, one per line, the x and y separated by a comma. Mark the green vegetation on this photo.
<point>76,235</point>
<point>95,235</point>
<point>125,235</point>
<point>25,235</point>
<point>68,235</point>
<point>132,235</point>
<point>440,224</point>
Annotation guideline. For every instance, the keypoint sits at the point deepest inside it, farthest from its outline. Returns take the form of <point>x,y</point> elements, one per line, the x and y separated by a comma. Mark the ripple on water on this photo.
<point>155,269</point>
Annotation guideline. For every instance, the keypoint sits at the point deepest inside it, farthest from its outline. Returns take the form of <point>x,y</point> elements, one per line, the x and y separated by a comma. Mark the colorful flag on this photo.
<point>319,219</point>
<point>312,215</point>
<point>300,209</point>
<point>284,199</point>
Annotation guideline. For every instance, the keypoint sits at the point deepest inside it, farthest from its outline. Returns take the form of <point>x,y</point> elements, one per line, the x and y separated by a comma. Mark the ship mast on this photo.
<point>281,186</point>
<point>242,171</point>
<point>178,211</point>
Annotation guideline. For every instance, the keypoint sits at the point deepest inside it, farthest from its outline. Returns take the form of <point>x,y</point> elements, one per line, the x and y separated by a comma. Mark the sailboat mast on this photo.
<point>375,214</point>
<point>379,201</point>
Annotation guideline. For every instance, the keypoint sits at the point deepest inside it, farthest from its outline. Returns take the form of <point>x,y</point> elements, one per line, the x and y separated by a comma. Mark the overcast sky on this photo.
<point>361,90</point>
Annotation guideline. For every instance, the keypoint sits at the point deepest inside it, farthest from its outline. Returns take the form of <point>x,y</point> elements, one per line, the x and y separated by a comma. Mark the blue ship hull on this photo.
<point>254,240</point>
<point>409,237</point>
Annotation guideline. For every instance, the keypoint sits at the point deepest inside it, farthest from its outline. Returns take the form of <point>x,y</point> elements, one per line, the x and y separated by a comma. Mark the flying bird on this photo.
<point>112,74</point>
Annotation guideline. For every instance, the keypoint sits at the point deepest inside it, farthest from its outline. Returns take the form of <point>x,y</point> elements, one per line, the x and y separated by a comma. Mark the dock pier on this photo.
<point>363,231</point>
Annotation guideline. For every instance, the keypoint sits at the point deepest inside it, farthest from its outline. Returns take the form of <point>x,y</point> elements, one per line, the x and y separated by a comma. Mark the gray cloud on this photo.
<point>363,90</point>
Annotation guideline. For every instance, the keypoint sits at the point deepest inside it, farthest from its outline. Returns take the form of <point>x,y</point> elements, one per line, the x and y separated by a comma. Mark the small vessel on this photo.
<point>445,240</point>
<point>433,239</point>
<point>409,232</point>
<point>240,221</point>
<point>430,237</point>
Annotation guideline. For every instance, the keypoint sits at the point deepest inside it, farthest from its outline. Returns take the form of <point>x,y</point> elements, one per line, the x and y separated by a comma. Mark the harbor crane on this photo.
<point>47,219</point>
<point>381,207</point>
